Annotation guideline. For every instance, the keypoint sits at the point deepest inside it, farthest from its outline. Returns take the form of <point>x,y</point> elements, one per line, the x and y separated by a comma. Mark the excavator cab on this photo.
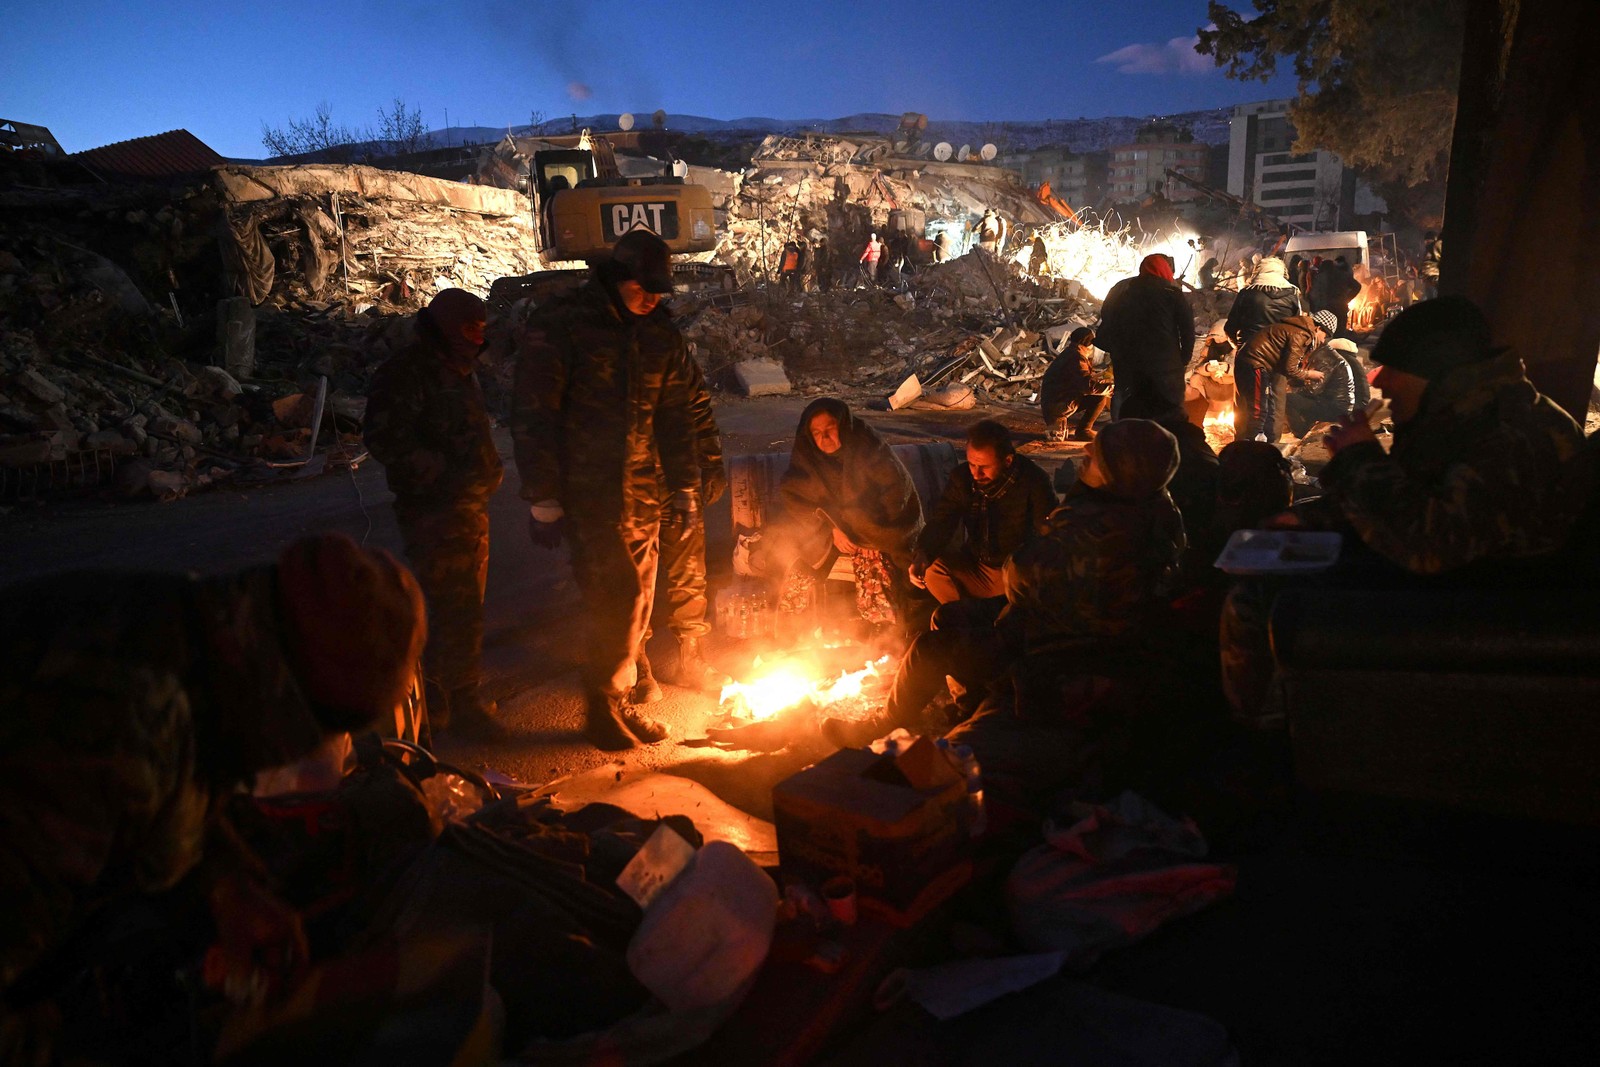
<point>583,205</point>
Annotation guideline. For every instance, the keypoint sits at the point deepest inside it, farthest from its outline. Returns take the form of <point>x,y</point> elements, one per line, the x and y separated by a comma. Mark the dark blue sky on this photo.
<point>101,72</point>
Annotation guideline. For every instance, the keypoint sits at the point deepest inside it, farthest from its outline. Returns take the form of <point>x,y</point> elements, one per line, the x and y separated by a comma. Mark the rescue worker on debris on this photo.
<point>601,420</point>
<point>1271,297</point>
<point>1068,396</point>
<point>133,705</point>
<point>992,232</point>
<point>1284,348</point>
<point>869,259</point>
<point>1108,558</point>
<point>683,562</point>
<point>1148,330</point>
<point>998,501</point>
<point>845,492</point>
<point>1330,399</point>
<point>1432,255</point>
<point>427,425</point>
<point>1485,476</point>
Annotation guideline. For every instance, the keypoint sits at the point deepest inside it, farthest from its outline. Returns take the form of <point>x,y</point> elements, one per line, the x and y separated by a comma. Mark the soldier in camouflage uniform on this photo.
<point>427,425</point>
<point>1108,556</point>
<point>602,422</point>
<point>132,705</point>
<point>683,562</point>
<point>1483,471</point>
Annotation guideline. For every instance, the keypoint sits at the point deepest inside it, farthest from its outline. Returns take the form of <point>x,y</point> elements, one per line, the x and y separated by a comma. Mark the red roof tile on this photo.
<point>161,155</point>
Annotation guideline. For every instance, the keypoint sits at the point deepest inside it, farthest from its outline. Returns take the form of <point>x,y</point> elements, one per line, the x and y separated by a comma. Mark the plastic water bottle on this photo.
<point>968,762</point>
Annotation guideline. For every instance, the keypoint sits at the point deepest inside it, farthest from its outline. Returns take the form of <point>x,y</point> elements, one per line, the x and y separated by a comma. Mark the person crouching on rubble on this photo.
<point>1485,477</point>
<point>602,424</point>
<point>845,492</point>
<point>998,501</point>
<point>426,423</point>
<point>1067,395</point>
<point>1108,559</point>
<point>1280,350</point>
<point>132,705</point>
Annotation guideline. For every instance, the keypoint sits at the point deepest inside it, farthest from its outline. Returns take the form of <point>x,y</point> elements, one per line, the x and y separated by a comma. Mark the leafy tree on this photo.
<point>1377,82</point>
<point>319,133</point>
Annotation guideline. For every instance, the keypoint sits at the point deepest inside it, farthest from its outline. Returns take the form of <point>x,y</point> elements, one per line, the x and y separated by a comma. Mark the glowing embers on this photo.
<point>1219,426</point>
<point>785,700</point>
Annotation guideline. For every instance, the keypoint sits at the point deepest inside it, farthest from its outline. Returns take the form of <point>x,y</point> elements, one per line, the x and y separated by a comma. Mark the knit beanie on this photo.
<point>356,625</point>
<point>1327,320</point>
<point>1137,457</point>
<point>454,308</point>
<point>1434,337</point>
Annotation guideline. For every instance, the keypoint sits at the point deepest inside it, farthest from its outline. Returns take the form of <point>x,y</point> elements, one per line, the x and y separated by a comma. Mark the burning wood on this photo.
<point>783,697</point>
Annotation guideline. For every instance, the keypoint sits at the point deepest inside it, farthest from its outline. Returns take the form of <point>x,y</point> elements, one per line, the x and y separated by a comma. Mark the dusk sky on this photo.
<point>95,73</point>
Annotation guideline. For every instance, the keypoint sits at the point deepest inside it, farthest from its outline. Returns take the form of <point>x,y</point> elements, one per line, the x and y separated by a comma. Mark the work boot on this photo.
<point>855,733</point>
<point>693,672</point>
<point>646,690</point>
<point>646,729</point>
<point>603,724</point>
<point>473,718</point>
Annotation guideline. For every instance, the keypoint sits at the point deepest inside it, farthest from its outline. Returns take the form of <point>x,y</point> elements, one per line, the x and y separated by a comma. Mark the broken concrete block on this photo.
<point>905,301</point>
<point>42,388</point>
<point>108,439</point>
<point>166,485</point>
<point>218,382</point>
<point>179,429</point>
<point>909,390</point>
<point>952,397</point>
<point>293,411</point>
<point>761,377</point>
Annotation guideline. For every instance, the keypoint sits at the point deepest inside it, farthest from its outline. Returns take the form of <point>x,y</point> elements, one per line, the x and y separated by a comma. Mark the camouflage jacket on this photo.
<point>1487,469</point>
<point>428,427</point>
<point>1103,563</point>
<point>130,705</point>
<point>602,415</point>
<point>707,438</point>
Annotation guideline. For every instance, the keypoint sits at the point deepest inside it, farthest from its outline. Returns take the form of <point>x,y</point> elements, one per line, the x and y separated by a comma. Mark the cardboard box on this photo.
<point>898,826</point>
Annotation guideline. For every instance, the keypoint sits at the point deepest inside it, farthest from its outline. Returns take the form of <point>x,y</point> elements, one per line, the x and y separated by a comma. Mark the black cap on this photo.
<point>646,258</point>
<point>1434,337</point>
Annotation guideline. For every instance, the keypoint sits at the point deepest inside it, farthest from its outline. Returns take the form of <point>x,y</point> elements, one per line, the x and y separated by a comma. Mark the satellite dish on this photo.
<point>659,119</point>
<point>941,151</point>
<point>625,121</point>
<point>988,151</point>
<point>925,150</point>
<point>964,153</point>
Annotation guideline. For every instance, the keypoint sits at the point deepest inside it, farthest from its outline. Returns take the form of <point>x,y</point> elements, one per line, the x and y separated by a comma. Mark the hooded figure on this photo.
<point>1148,330</point>
<point>426,423</point>
<point>1270,297</point>
<point>844,491</point>
<point>1110,552</point>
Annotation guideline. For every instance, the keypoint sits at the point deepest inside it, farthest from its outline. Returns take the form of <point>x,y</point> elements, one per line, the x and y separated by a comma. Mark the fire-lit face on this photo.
<point>825,433</point>
<point>1403,391</point>
<point>472,330</point>
<point>985,464</point>
<point>636,298</point>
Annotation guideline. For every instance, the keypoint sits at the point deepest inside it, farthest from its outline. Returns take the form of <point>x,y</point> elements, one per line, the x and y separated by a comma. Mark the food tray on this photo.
<point>1279,551</point>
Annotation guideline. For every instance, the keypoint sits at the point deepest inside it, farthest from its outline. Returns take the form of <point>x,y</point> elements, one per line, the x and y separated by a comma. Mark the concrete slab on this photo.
<point>761,377</point>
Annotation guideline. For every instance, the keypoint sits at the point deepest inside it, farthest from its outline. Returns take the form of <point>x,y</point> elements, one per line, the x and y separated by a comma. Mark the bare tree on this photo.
<point>318,133</point>
<point>401,129</point>
<point>536,119</point>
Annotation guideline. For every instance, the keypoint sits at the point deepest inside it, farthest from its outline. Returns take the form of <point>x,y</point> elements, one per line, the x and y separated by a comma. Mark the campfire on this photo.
<point>784,697</point>
<point>1219,426</point>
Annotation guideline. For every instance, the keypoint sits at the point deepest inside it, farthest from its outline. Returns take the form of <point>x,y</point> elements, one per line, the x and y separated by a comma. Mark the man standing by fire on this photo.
<point>601,423</point>
<point>427,425</point>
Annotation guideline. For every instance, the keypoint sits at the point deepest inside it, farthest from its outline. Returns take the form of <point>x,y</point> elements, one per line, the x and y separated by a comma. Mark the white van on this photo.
<point>1351,244</point>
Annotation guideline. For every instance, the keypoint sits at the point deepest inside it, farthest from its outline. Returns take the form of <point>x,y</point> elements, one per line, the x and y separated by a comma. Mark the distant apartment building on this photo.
<point>1139,170</point>
<point>1310,190</point>
<point>1079,178</point>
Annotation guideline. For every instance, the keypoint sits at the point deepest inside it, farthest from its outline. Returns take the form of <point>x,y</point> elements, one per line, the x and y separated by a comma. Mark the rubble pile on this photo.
<point>126,351</point>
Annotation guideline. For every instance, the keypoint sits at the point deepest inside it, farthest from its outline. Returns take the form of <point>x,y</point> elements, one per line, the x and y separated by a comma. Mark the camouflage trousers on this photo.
<point>683,583</point>
<point>615,566</point>
<point>449,552</point>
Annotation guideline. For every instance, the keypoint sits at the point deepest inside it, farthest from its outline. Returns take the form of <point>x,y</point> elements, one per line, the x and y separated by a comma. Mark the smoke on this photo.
<point>579,91</point>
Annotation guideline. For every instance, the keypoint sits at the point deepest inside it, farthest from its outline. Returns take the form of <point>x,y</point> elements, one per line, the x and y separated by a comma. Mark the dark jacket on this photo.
<point>1148,330</point>
<point>995,521</point>
<point>1487,469</point>
<point>427,425</point>
<point>1283,348</point>
<point>1066,380</point>
<point>130,708</point>
<point>1257,307</point>
<point>602,408</point>
<point>863,488</point>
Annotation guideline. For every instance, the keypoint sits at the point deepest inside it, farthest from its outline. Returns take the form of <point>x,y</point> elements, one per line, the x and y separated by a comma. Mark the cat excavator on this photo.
<point>582,205</point>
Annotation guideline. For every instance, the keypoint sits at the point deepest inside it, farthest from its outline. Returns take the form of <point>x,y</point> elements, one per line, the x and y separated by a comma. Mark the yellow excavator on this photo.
<point>582,204</point>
